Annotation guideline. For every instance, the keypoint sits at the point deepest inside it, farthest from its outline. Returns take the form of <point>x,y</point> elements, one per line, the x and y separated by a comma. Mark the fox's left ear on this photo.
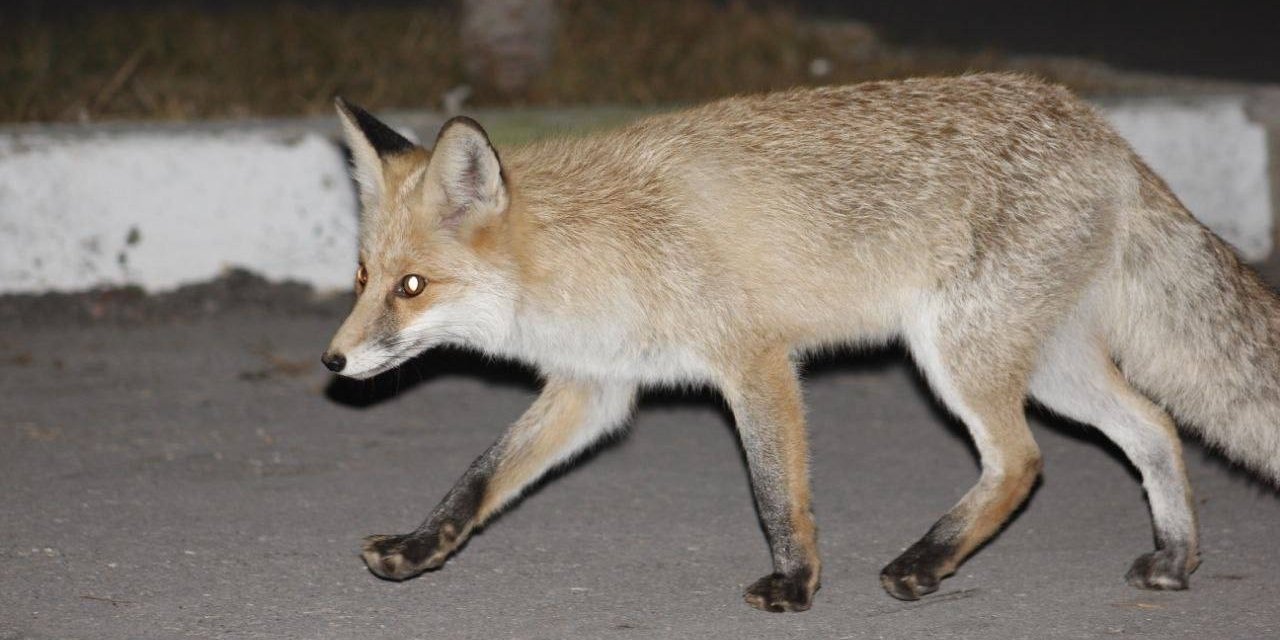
<point>370,140</point>
<point>465,175</point>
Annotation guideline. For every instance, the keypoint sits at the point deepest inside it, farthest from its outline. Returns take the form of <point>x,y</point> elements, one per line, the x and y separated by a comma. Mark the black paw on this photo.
<point>908,583</point>
<point>1163,569</point>
<point>917,571</point>
<point>402,557</point>
<point>777,592</point>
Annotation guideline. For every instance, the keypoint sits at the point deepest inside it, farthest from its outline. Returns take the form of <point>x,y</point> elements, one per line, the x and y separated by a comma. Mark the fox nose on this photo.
<point>334,361</point>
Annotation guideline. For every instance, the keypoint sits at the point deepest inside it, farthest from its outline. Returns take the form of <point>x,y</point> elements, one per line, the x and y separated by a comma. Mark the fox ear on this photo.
<point>466,174</point>
<point>370,140</point>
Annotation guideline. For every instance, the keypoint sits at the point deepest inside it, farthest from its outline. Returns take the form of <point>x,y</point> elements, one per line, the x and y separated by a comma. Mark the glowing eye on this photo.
<point>412,284</point>
<point>362,276</point>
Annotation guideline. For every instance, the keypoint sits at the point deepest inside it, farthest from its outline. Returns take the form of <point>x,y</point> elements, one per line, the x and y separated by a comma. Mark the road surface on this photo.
<point>184,468</point>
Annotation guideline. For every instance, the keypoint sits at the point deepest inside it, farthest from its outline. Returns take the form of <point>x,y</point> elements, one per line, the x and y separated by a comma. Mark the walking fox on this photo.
<point>994,224</point>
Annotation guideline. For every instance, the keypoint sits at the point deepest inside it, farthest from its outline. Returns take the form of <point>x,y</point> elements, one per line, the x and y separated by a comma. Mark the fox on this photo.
<point>994,224</point>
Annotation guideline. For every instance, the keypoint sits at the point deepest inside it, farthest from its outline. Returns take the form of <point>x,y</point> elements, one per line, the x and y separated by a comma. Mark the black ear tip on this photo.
<point>349,109</point>
<point>383,138</point>
<point>352,109</point>
<point>462,121</point>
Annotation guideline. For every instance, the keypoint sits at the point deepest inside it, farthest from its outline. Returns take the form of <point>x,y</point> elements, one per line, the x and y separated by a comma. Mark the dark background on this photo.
<point>1233,39</point>
<point>1224,39</point>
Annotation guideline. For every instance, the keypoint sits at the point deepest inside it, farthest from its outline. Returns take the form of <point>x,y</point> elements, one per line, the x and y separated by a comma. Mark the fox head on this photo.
<point>430,269</point>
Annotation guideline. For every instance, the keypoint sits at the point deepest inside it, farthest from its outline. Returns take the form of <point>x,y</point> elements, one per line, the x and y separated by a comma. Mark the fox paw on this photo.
<point>403,557</point>
<point>917,572</point>
<point>908,583</point>
<point>777,592</point>
<point>1162,569</point>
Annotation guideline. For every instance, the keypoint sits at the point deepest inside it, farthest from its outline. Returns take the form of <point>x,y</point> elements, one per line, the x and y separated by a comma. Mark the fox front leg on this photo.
<point>767,406</point>
<point>567,418</point>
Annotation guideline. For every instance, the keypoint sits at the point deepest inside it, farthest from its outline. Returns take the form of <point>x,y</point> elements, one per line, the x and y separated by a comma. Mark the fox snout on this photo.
<point>357,349</point>
<point>334,362</point>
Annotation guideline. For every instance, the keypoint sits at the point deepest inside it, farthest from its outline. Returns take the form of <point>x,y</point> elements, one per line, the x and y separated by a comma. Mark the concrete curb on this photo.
<point>159,206</point>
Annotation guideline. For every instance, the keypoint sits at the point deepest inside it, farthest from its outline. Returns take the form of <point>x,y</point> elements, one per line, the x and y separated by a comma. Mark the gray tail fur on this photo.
<point>1198,331</point>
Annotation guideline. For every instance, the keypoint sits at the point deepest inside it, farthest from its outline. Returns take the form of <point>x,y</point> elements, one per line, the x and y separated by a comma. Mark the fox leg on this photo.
<point>1077,379</point>
<point>767,406</point>
<point>565,419</point>
<point>983,383</point>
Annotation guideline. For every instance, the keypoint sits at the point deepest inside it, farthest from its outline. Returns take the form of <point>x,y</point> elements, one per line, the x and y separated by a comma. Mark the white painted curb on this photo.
<point>161,209</point>
<point>1213,156</point>
<point>163,206</point>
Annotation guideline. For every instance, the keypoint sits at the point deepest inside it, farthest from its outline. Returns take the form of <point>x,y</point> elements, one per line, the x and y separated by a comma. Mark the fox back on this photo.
<point>819,216</point>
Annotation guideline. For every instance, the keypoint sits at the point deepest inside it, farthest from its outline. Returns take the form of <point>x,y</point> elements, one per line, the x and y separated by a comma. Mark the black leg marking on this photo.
<point>921,567</point>
<point>400,557</point>
<point>1168,568</point>
<point>770,417</point>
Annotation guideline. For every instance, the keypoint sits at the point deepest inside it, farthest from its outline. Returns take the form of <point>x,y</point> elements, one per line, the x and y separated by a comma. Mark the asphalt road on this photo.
<point>202,477</point>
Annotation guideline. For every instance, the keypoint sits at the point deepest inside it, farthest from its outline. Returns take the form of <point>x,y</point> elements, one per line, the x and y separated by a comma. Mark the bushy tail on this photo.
<point>1198,331</point>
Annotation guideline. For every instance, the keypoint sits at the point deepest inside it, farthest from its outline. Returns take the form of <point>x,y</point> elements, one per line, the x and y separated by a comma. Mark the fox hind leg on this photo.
<point>983,383</point>
<point>1077,379</point>
<point>565,419</point>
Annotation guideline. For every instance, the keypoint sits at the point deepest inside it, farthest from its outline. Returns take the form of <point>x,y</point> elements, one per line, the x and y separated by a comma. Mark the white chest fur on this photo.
<point>601,348</point>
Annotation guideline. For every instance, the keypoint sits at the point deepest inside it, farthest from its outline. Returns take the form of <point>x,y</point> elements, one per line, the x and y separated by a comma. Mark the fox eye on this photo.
<point>362,276</point>
<point>411,285</point>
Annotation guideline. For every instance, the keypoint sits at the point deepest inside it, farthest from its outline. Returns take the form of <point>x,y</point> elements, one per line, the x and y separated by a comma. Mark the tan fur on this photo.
<point>536,442</point>
<point>995,224</point>
<point>766,398</point>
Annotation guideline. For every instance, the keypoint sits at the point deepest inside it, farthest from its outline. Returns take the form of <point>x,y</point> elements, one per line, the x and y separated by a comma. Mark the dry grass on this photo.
<point>291,59</point>
<point>176,65</point>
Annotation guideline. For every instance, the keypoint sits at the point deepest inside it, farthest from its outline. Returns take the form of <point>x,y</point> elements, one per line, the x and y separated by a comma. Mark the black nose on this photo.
<point>334,361</point>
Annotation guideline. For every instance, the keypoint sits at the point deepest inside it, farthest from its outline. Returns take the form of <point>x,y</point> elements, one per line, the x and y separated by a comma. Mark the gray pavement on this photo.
<point>201,477</point>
